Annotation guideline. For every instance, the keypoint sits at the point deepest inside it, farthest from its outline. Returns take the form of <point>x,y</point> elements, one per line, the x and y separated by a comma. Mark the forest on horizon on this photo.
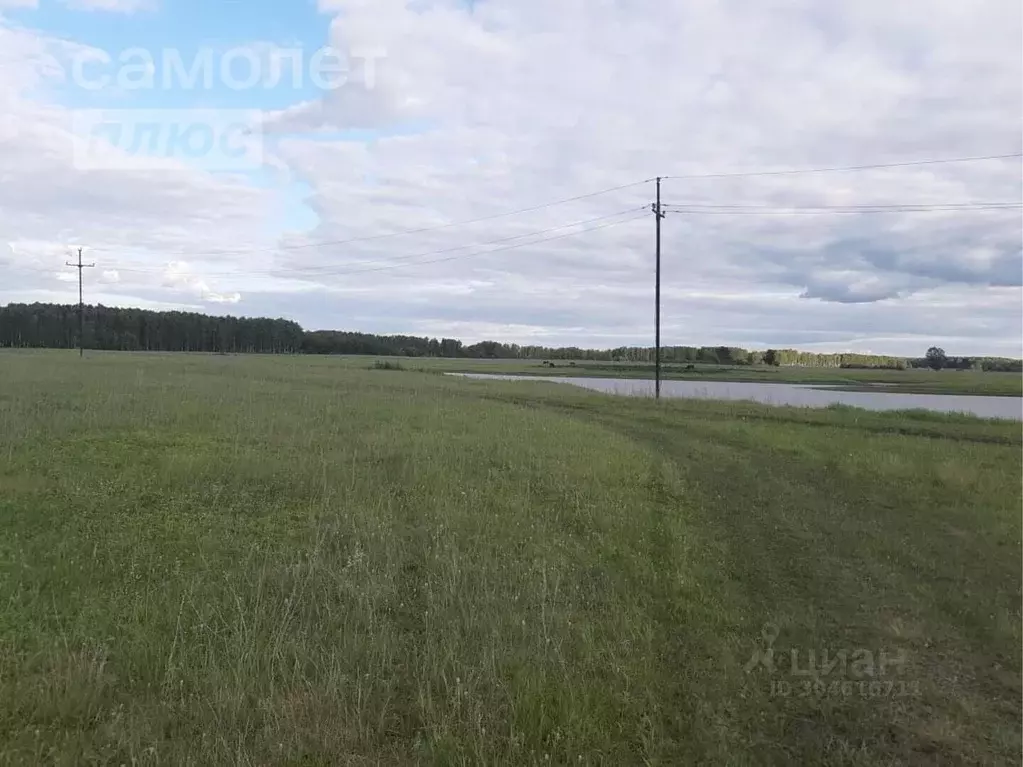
<point>116,329</point>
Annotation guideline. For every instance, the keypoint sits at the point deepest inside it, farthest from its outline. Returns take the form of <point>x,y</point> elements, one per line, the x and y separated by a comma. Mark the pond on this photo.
<point>799,395</point>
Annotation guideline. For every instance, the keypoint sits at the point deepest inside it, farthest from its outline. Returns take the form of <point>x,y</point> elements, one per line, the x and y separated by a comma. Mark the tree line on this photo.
<point>108,328</point>
<point>936,359</point>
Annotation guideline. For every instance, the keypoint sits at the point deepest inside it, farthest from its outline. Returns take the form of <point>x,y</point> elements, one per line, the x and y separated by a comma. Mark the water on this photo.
<point>790,394</point>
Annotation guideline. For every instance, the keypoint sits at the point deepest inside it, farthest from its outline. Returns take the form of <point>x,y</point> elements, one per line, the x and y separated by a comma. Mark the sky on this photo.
<point>483,169</point>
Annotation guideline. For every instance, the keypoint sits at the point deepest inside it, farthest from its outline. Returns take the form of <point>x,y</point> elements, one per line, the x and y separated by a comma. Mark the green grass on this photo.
<point>245,560</point>
<point>908,381</point>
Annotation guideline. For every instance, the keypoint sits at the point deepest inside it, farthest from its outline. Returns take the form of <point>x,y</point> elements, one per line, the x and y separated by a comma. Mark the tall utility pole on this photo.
<point>81,303</point>
<point>658,215</point>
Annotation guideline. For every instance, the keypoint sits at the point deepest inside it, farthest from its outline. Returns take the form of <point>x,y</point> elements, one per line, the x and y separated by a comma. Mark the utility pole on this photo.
<point>81,303</point>
<point>658,215</point>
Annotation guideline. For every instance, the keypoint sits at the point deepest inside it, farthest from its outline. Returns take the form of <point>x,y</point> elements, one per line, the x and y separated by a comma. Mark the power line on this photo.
<point>607,225</point>
<point>675,208</point>
<point>316,269</point>
<point>864,206</point>
<point>738,211</point>
<point>421,230</point>
<point>683,208</point>
<point>477,244</point>
<point>847,168</point>
<point>638,213</point>
<point>588,195</point>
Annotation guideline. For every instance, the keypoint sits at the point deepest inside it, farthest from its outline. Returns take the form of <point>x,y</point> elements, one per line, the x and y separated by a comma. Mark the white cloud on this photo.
<point>522,102</point>
<point>112,6</point>
<point>127,216</point>
<point>180,276</point>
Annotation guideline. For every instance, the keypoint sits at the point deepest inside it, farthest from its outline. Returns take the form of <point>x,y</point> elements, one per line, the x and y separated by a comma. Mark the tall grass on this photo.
<point>211,560</point>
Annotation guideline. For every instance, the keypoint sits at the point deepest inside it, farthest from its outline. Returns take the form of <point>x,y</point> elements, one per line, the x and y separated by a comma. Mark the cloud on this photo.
<point>111,6</point>
<point>179,276</point>
<point>131,215</point>
<point>518,103</point>
<point>731,86</point>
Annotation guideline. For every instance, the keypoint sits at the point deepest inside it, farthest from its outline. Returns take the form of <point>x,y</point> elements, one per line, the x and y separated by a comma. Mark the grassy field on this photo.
<point>908,381</point>
<point>255,561</point>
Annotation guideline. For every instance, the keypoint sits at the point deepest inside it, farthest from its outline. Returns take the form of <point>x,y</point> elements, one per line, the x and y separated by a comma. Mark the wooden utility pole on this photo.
<point>81,303</point>
<point>658,215</point>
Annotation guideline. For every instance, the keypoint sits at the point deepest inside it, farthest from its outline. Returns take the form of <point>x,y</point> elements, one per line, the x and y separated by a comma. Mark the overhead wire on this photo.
<point>607,225</point>
<point>860,206</point>
<point>405,232</point>
<point>588,195</point>
<point>680,208</point>
<point>827,210</point>
<point>686,208</point>
<point>343,270</point>
<point>328,267</point>
<point>846,168</point>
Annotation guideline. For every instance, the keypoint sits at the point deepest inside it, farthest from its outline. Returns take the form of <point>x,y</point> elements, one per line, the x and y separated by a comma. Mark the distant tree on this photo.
<point>772,357</point>
<point>936,358</point>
